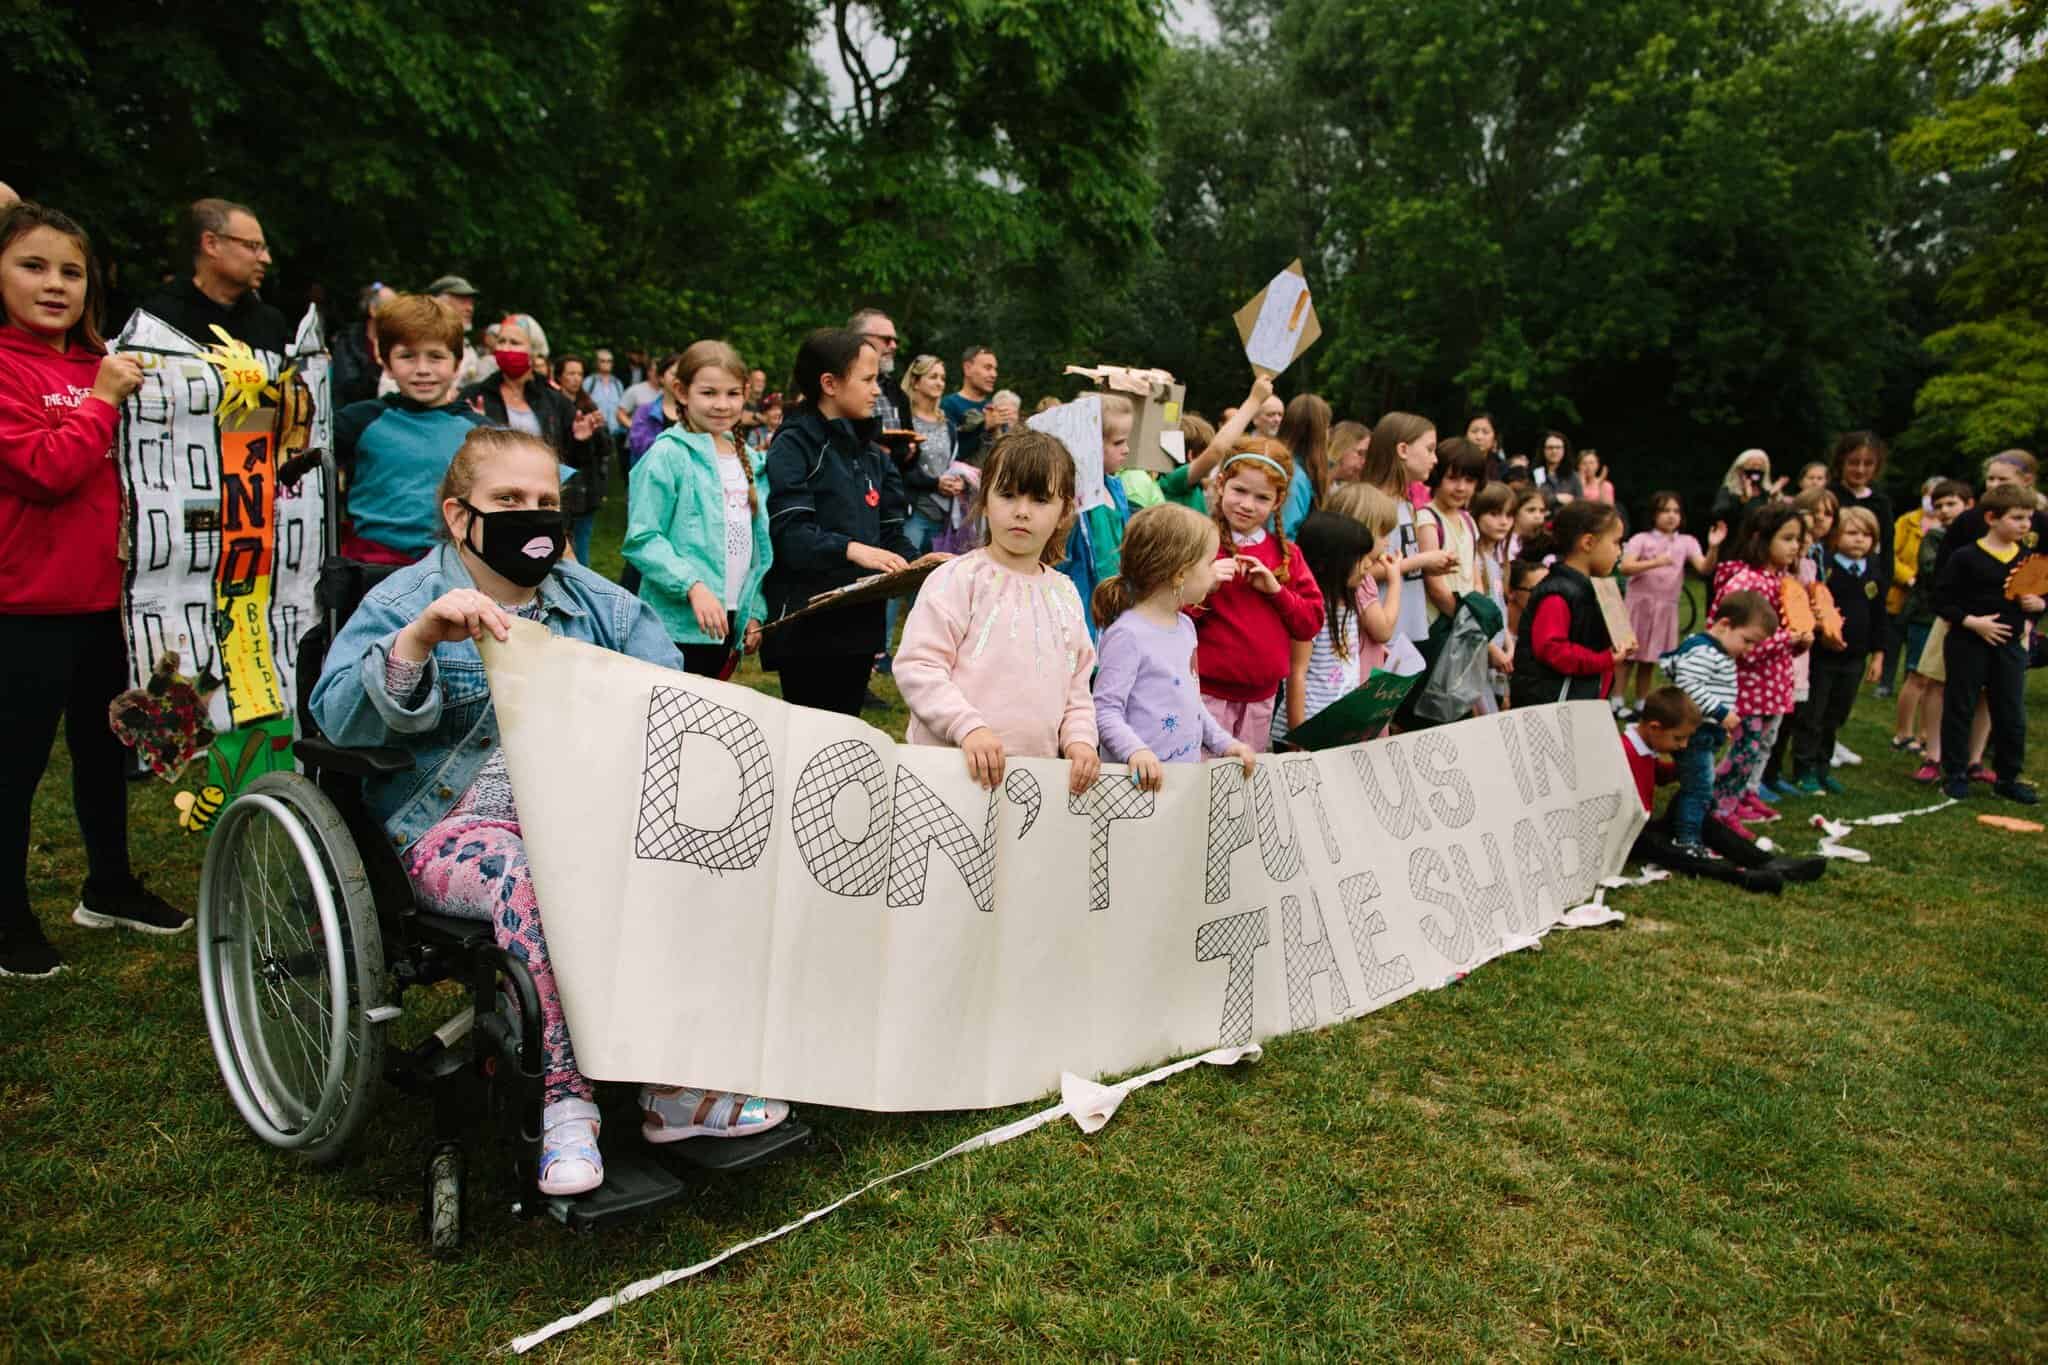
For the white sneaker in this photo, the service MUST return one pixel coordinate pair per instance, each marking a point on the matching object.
(1844, 757)
(569, 1159)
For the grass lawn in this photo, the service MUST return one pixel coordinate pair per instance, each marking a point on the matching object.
(1802, 1127)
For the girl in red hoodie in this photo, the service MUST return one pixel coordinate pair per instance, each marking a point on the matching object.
(61, 649)
(1265, 597)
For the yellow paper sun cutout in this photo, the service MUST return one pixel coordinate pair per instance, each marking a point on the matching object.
(244, 382)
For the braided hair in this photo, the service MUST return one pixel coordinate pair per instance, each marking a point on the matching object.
(1271, 459)
(718, 355)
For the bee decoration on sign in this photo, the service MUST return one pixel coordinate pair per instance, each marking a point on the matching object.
(197, 809)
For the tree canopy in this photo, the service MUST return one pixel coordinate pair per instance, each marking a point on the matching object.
(1675, 227)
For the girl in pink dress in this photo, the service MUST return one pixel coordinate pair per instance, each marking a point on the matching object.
(1654, 563)
(1765, 555)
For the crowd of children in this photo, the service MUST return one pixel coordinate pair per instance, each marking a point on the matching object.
(1210, 610)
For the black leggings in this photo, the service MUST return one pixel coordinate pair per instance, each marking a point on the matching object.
(828, 682)
(709, 661)
(70, 667)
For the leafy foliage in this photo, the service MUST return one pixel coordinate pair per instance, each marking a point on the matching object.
(1675, 228)
(1987, 138)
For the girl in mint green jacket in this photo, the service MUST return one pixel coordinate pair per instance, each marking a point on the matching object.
(697, 527)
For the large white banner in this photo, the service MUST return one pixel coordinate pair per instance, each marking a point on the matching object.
(748, 895)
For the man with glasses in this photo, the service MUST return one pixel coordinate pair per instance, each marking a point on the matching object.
(890, 403)
(229, 258)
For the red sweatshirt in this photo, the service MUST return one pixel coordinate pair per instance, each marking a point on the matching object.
(1244, 637)
(1550, 637)
(60, 501)
(1646, 766)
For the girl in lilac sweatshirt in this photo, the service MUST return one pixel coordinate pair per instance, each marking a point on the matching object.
(995, 657)
(1148, 699)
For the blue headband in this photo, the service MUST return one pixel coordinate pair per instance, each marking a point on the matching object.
(1266, 460)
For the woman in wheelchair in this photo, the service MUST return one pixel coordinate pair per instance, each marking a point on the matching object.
(405, 672)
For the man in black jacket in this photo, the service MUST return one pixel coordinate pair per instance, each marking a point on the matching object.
(229, 258)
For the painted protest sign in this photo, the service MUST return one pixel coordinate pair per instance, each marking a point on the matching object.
(749, 895)
(222, 559)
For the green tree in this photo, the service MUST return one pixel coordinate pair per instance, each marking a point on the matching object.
(1985, 145)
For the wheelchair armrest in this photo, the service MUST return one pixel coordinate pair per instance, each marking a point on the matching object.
(363, 763)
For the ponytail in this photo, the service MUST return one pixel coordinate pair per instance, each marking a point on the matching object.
(1566, 527)
(1112, 598)
(1162, 543)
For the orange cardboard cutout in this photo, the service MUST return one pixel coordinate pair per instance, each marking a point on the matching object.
(2029, 578)
(2010, 822)
(1827, 615)
(1795, 608)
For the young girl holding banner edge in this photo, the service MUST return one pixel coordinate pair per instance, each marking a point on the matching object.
(995, 657)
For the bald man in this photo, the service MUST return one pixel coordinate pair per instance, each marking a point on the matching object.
(7, 195)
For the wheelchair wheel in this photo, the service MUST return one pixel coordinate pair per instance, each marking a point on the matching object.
(291, 967)
(441, 1208)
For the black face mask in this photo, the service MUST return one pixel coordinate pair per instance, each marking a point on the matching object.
(519, 545)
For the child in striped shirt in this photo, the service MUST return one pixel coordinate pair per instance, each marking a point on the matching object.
(1703, 667)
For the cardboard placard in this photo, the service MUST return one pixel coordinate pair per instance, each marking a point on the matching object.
(1614, 613)
(2029, 578)
(1157, 396)
(876, 587)
(1358, 715)
(1795, 608)
(1078, 425)
(1827, 617)
(1279, 323)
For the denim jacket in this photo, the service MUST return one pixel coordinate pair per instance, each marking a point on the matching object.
(449, 724)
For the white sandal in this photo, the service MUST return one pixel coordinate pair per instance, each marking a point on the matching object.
(677, 1112)
(569, 1159)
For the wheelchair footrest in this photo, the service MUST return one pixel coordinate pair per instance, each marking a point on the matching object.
(636, 1183)
(724, 1156)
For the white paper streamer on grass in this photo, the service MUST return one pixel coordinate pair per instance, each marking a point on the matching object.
(1088, 1103)
(1834, 831)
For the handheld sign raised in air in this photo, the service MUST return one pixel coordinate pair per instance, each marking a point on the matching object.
(1279, 323)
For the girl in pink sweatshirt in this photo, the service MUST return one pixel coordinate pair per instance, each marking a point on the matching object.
(62, 653)
(995, 657)
(1265, 598)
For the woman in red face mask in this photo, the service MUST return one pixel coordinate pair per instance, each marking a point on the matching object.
(518, 398)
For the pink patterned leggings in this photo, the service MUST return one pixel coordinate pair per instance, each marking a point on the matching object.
(473, 868)
(1747, 752)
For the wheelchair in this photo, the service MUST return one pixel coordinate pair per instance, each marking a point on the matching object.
(309, 939)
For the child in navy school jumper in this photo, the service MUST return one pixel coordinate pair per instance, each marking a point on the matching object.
(1837, 672)
(1986, 648)
(1703, 667)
